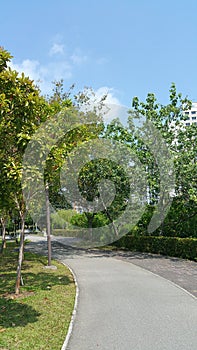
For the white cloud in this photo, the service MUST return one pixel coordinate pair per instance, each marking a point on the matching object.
(59, 66)
(104, 90)
(112, 106)
(56, 49)
(43, 75)
(29, 67)
(116, 111)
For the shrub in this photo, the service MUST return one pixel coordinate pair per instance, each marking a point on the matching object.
(171, 246)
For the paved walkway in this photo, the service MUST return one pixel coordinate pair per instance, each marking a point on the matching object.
(180, 271)
(122, 306)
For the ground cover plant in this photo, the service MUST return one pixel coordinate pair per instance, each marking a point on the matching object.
(38, 318)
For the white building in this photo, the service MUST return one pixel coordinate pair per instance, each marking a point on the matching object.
(192, 115)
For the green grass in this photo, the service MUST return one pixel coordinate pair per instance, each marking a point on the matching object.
(39, 317)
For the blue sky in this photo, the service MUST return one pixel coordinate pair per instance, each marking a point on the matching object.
(128, 48)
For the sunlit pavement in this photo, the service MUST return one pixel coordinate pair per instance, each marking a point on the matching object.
(122, 306)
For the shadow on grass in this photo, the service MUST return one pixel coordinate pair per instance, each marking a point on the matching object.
(9, 260)
(15, 314)
(43, 280)
(32, 281)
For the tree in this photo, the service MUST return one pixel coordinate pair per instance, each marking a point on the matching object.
(90, 177)
(6, 207)
(22, 110)
(181, 143)
(70, 125)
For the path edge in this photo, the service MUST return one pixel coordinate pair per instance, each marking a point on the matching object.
(164, 278)
(70, 328)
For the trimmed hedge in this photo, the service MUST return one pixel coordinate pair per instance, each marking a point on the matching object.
(172, 246)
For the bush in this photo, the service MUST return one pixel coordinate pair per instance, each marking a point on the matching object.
(172, 246)
(89, 220)
(181, 221)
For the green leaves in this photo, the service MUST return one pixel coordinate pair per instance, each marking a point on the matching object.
(5, 57)
(180, 141)
(21, 111)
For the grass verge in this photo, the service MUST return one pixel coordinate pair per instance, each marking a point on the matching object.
(39, 317)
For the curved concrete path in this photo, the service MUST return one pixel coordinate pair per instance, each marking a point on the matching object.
(124, 307)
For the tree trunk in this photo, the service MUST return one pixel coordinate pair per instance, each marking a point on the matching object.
(3, 235)
(90, 217)
(113, 225)
(48, 224)
(109, 217)
(21, 255)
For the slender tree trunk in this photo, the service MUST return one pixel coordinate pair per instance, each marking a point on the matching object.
(109, 217)
(21, 255)
(113, 225)
(90, 217)
(3, 235)
(48, 224)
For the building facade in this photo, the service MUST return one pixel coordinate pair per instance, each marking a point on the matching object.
(191, 115)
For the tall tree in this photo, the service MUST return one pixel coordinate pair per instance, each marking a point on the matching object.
(72, 123)
(22, 110)
(181, 143)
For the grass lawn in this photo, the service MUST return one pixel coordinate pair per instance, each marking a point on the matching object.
(39, 317)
